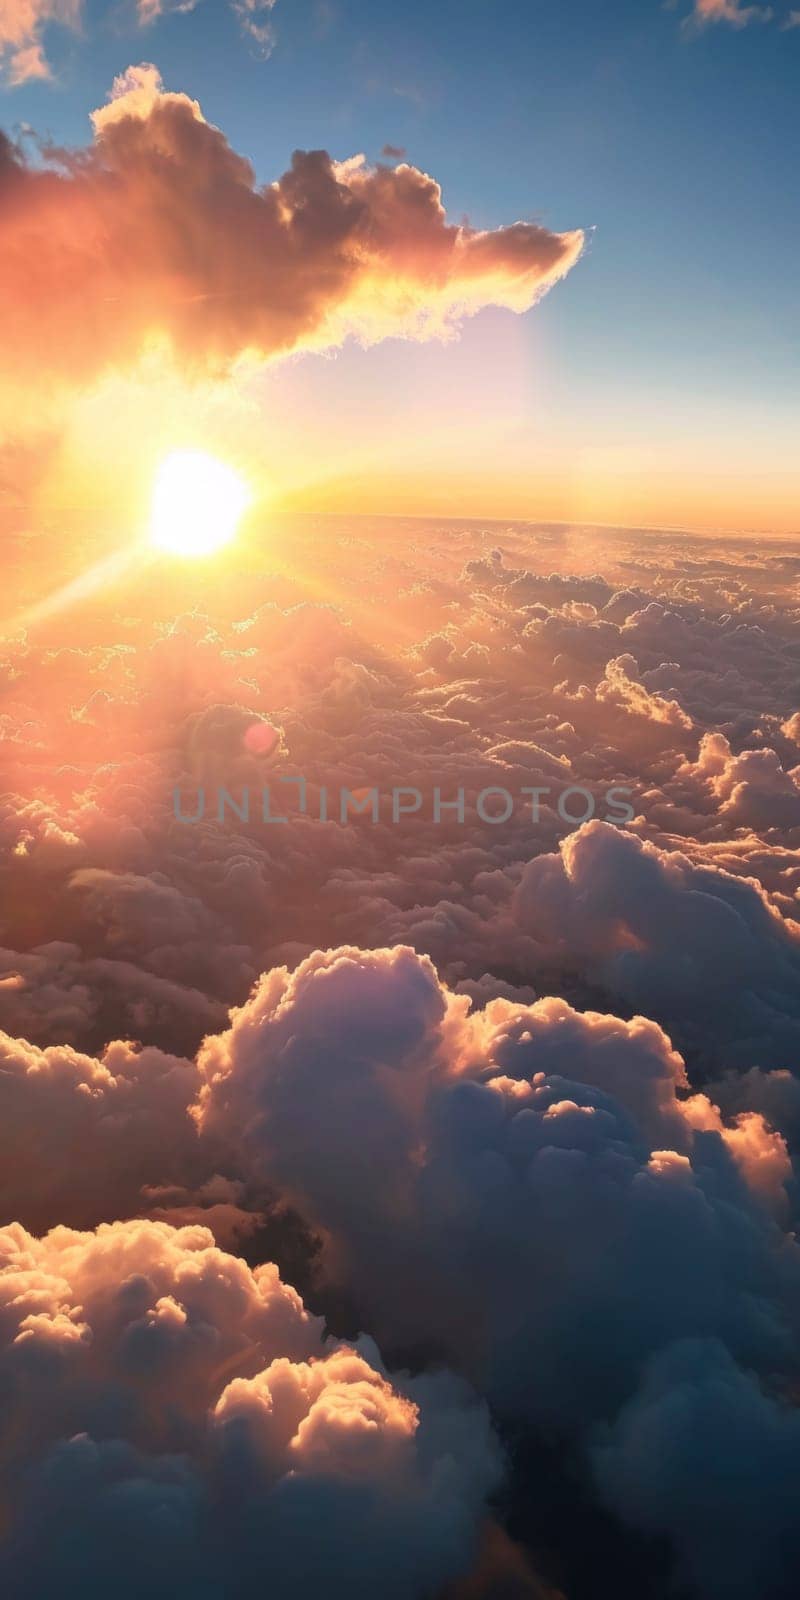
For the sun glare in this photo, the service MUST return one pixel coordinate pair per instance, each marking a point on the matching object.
(198, 503)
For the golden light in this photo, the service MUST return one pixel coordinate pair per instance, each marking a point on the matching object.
(198, 503)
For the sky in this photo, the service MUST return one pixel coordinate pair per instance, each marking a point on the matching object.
(655, 384)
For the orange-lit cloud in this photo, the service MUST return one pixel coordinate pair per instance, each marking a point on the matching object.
(159, 230)
(22, 23)
(171, 1370)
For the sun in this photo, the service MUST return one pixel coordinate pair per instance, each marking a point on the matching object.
(198, 503)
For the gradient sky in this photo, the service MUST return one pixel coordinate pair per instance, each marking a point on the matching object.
(659, 382)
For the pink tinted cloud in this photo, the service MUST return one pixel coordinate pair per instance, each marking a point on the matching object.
(160, 228)
(730, 11)
(22, 26)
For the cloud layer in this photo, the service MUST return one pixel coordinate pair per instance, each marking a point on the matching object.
(519, 1101)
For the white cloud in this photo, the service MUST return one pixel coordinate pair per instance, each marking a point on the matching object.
(255, 20)
(150, 10)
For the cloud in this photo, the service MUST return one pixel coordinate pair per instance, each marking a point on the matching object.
(137, 94)
(447, 1158)
(159, 230)
(531, 1194)
(702, 1433)
(753, 788)
(620, 688)
(700, 949)
(121, 921)
(22, 25)
(55, 990)
(150, 11)
(255, 20)
(82, 1138)
(554, 1190)
(731, 11)
(180, 1422)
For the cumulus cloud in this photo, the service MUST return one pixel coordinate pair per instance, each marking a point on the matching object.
(753, 787)
(465, 1170)
(179, 1422)
(81, 1138)
(534, 1193)
(159, 229)
(619, 687)
(678, 940)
